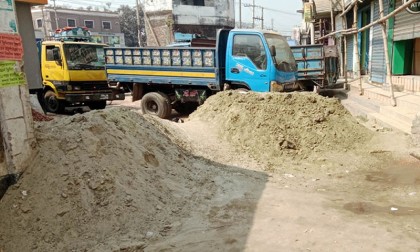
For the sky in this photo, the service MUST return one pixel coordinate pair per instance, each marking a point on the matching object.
(281, 13)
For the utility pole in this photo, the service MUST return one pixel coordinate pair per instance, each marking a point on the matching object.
(388, 66)
(262, 18)
(55, 14)
(253, 14)
(240, 14)
(138, 22)
(43, 22)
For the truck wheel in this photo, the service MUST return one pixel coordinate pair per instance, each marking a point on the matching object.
(53, 104)
(185, 108)
(156, 103)
(97, 105)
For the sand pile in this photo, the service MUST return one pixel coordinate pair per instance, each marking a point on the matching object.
(275, 126)
(102, 181)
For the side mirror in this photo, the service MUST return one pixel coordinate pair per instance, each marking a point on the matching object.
(273, 51)
(303, 52)
(57, 56)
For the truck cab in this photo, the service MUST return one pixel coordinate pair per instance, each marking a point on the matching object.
(73, 72)
(260, 61)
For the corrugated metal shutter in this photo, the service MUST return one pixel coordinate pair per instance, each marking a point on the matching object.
(378, 66)
(339, 24)
(350, 52)
(407, 25)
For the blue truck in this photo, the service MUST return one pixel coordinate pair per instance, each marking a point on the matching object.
(318, 66)
(180, 78)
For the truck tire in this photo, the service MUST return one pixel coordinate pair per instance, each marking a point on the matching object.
(53, 104)
(156, 103)
(97, 105)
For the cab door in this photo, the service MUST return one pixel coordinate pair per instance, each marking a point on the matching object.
(248, 62)
(52, 68)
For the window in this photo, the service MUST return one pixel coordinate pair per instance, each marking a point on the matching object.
(106, 25)
(71, 22)
(89, 24)
(39, 23)
(53, 53)
(250, 46)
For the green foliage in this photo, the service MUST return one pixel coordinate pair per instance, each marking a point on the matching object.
(128, 24)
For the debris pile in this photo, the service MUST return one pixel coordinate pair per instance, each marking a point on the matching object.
(102, 181)
(274, 126)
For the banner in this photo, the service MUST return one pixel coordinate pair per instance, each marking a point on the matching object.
(11, 74)
(308, 12)
(10, 47)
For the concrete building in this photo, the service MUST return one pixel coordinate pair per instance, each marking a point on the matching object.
(204, 17)
(104, 26)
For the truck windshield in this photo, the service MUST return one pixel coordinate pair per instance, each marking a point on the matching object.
(84, 57)
(284, 57)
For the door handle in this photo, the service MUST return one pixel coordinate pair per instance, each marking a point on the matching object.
(263, 75)
(234, 70)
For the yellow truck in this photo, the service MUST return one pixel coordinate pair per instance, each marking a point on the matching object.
(73, 72)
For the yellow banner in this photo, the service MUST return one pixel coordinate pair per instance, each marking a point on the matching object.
(10, 74)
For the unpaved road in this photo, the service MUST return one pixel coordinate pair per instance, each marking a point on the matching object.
(147, 184)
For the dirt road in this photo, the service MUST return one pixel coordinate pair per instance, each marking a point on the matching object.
(243, 173)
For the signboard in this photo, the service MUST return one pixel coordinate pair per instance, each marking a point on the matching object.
(11, 74)
(414, 7)
(308, 12)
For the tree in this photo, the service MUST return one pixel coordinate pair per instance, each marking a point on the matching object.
(128, 24)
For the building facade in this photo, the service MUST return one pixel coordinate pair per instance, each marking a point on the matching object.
(103, 26)
(365, 50)
(165, 17)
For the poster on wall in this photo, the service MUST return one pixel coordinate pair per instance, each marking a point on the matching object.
(10, 46)
(11, 50)
(7, 17)
(11, 74)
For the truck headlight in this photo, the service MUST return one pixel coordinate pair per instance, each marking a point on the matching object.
(276, 87)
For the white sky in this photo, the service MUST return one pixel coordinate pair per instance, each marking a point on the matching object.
(284, 18)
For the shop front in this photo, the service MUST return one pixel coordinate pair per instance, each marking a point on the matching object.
(406, 46)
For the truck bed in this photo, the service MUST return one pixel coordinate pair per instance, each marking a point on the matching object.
(317, 64)
(168, 65)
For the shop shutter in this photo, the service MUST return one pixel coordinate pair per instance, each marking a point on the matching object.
(349, 52)
(378, 66)
(407, 25)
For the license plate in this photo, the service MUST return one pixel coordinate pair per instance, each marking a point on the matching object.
(190, 93)
(103, 97)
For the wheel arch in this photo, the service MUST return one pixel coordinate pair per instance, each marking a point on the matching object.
(49, 86)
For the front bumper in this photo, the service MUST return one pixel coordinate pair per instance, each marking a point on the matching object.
(114, 94)
(283, 87)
